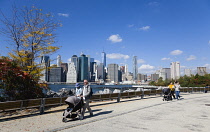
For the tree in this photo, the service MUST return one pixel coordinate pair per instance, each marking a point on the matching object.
(16, 84)
(32, 35)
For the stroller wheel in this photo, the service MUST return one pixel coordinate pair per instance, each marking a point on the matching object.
(80, 116)
(64, 120)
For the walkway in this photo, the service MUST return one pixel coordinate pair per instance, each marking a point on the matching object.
(150, 114)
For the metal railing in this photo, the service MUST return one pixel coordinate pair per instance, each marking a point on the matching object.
(41, 103)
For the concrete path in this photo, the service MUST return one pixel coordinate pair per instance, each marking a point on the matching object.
(150, 114)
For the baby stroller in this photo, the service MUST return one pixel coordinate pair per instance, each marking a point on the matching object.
(167, 94)
(74, 108)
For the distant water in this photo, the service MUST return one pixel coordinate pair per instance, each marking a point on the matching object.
(57, 87)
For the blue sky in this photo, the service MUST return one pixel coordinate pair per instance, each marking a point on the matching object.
(156, 31)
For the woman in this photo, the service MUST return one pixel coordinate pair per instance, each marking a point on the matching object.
(177, 89)
(171, 86)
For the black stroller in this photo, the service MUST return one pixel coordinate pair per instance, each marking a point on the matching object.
(167, 94)
(74, 109)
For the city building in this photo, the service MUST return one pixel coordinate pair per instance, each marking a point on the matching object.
(64, 72)
(154, 77)
(83, 68)
(141, 77)
(187, 72)
(113, 73)
(71, 74)
(100, 71)
(103, 57)
(93, 68)
(135, 68)
(175, 70)
(58, 61)
(201, 71)
(126, 70)
(45, 64)
(55, 74)
(74, 59)
(165, 73)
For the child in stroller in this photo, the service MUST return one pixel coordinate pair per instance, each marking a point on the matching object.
(74, 108)
(167, 94)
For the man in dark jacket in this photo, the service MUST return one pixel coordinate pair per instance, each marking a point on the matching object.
(86, 97)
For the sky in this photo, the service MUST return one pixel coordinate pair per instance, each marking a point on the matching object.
(156, 31)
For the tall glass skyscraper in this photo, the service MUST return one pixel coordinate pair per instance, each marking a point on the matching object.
(83, 68)
(135, 68)
(103, 56)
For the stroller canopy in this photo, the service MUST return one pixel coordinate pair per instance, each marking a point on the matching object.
(73, 100)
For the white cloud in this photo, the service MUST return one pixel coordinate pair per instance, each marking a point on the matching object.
(146, 69)
(63, 14)
(153, 4)
(69, 60)
(140, 61)
(145, 28)
(191, 57)
(115, 38)
(131, 25)
(117, 56)
(165, 59)
(97, 61)
(176, 52)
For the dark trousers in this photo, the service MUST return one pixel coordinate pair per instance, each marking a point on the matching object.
(172, 93)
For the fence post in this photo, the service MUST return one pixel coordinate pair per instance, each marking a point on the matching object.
(142, 96)
(21, 106)
(118, 98)
(42, 106)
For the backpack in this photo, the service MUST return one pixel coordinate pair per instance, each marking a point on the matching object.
(91, 92)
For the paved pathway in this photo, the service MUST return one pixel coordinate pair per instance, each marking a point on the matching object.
(150, 114)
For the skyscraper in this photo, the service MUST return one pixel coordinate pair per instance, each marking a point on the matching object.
(74, 59)
(58, 61)
(103, 56)
(187, 72)
(55, 74)
(83, 68)
(100, 71)
(113, 73)
(64, 72)
(175, 70)
(201, 71)
(45, 63)
(72, 74)
(135, 68)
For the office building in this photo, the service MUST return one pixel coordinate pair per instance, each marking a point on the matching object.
(135, 68)
(58, 61)
(55, 74)
(175, 70)
(45, 64)
(64, 72)
(187, 72)
(83, 68)
(100, 71)
(103, 56)
(154, 77)
(165, 73)
(201, 71)
(71, 74)
(113, 73)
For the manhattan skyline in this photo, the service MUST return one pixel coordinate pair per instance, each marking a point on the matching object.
(157, 32)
